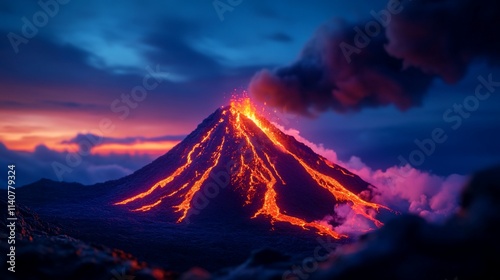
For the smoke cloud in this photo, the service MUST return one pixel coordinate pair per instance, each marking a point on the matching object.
(430, 196)
(390, 59)
(401, 188)
(444, 37)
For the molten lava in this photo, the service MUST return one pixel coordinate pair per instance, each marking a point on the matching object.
(256, 173)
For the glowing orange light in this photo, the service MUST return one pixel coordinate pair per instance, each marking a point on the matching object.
(270, 206)
(257, 171)
(186, 203)
(169, 179)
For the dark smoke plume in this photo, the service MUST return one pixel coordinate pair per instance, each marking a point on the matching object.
(390, 59)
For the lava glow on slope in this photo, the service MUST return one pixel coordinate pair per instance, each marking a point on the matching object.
(255, 173)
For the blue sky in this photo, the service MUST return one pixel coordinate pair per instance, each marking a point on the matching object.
(62, 82)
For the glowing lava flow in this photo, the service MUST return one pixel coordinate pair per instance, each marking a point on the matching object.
(258, 170)
(170, 178)
(256, 173)
(270, 206)
(186, 203)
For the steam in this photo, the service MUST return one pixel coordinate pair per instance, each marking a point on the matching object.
(401, 188)
(430, 196)
(352, 224)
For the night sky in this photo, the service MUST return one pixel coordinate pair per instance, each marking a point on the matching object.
(68, 80)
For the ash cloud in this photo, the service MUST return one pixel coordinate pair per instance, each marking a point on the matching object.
(444, 37)
(391, 58)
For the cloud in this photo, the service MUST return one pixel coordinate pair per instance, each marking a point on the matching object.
(350, 222)
(86, 141)
(401, 188)
(72, 105)
(444, 37)
(323, 79)
(280, 37)
(346, 67)
(177, 52)
(407, 189)
(102, 173)
(32, 166)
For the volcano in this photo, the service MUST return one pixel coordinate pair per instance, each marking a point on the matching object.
(236, 181)
(238, 164)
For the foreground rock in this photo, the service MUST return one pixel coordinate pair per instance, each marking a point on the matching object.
(42, 252)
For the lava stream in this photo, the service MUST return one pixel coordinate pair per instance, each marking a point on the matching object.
(166, 181)
(256, 174)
